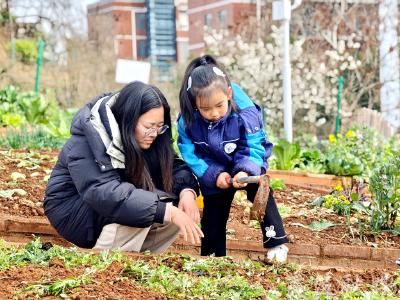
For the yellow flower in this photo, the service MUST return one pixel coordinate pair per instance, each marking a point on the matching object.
(338, 188)
(350, 133)
(332, 138)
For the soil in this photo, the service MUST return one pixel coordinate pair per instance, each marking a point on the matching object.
(295, 202)
(106, 284)
(298, 214)
(111, 283)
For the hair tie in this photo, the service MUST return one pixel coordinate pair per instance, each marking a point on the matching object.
(203, 61)
(189, 84)
(218, 71)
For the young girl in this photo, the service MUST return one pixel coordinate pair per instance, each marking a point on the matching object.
(221, 138)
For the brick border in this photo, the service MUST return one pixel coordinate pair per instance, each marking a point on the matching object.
(311, 180)
(327, 256)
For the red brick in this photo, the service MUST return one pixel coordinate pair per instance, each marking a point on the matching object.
(366, 264)
(2, 225)
(31, 225)
(304, 249)
(244, 245)
(256, 256)
(346, 251)
(304, 260)
(385, 254)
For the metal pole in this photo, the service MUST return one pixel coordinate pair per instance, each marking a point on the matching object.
(339, 100)
(287, 88)
(39, 64)
(281, 11)
(258, 11)
(12, 36)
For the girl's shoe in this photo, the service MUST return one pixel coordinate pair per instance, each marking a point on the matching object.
(277, 254)
(398, 261)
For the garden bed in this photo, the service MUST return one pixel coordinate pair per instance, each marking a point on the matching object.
(321, 182)
(21, 212)
(39, 271)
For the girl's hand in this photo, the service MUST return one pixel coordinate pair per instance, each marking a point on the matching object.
(187, 202)
(189, 229)
(223, 180)
(237, 184)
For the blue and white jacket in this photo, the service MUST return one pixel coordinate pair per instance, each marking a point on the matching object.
(235, 143)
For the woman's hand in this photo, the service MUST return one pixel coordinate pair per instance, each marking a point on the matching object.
(236, 183)
(187, 202)
(189, 229)
(223, 181)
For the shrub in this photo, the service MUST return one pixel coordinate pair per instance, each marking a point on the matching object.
(385, 187)
(25, 49)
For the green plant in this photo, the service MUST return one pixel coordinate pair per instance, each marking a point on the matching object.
(59, 125)
(344, 200)
(357, 151)
(286, 155)
(26, 50)
(34, 108)
(18, 107)
(12, 119)
(385, 187)
(277, 184)
(35, 138)
(341, 158)
(58, 287)
(175, 139)
(312, 161)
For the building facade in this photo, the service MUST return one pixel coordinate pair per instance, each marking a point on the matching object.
(220, 14)
(153, 30)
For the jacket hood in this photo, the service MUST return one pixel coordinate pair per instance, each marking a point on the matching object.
(97, 123)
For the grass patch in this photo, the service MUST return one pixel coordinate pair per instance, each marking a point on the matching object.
(35, 138)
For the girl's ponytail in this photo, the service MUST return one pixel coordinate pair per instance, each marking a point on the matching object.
(208, 73)
(186, 102)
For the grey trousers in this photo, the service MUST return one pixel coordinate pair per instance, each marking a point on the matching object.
(156, 238)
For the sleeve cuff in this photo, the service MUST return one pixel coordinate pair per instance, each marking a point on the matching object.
(210, 176)
(189, 190)
(160, 212)
(247, 166)
(167, 215)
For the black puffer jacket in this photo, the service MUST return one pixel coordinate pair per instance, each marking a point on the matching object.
(85, 191)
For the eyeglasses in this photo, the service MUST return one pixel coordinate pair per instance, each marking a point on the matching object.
(160, 130)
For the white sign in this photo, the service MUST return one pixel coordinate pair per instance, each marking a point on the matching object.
(132, 70)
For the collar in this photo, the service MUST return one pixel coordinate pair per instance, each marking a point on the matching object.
(107, 127)
(209, 123)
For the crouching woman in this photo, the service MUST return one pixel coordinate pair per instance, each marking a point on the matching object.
(117, 183)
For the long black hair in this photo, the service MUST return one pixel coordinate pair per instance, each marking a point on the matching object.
(203, 81)
(134, 100)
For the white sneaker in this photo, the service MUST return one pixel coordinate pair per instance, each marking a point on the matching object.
(277, 254)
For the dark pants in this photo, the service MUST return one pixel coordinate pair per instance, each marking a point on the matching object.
(216, 213)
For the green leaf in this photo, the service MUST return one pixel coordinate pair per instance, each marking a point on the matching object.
(320, 225)
(354, 196)
(287, 155)
(16, 175)
(9, 193)
(318, 201)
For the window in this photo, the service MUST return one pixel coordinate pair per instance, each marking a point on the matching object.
(222, 18)
(208, 19)
(140, 21)
(142, 48)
